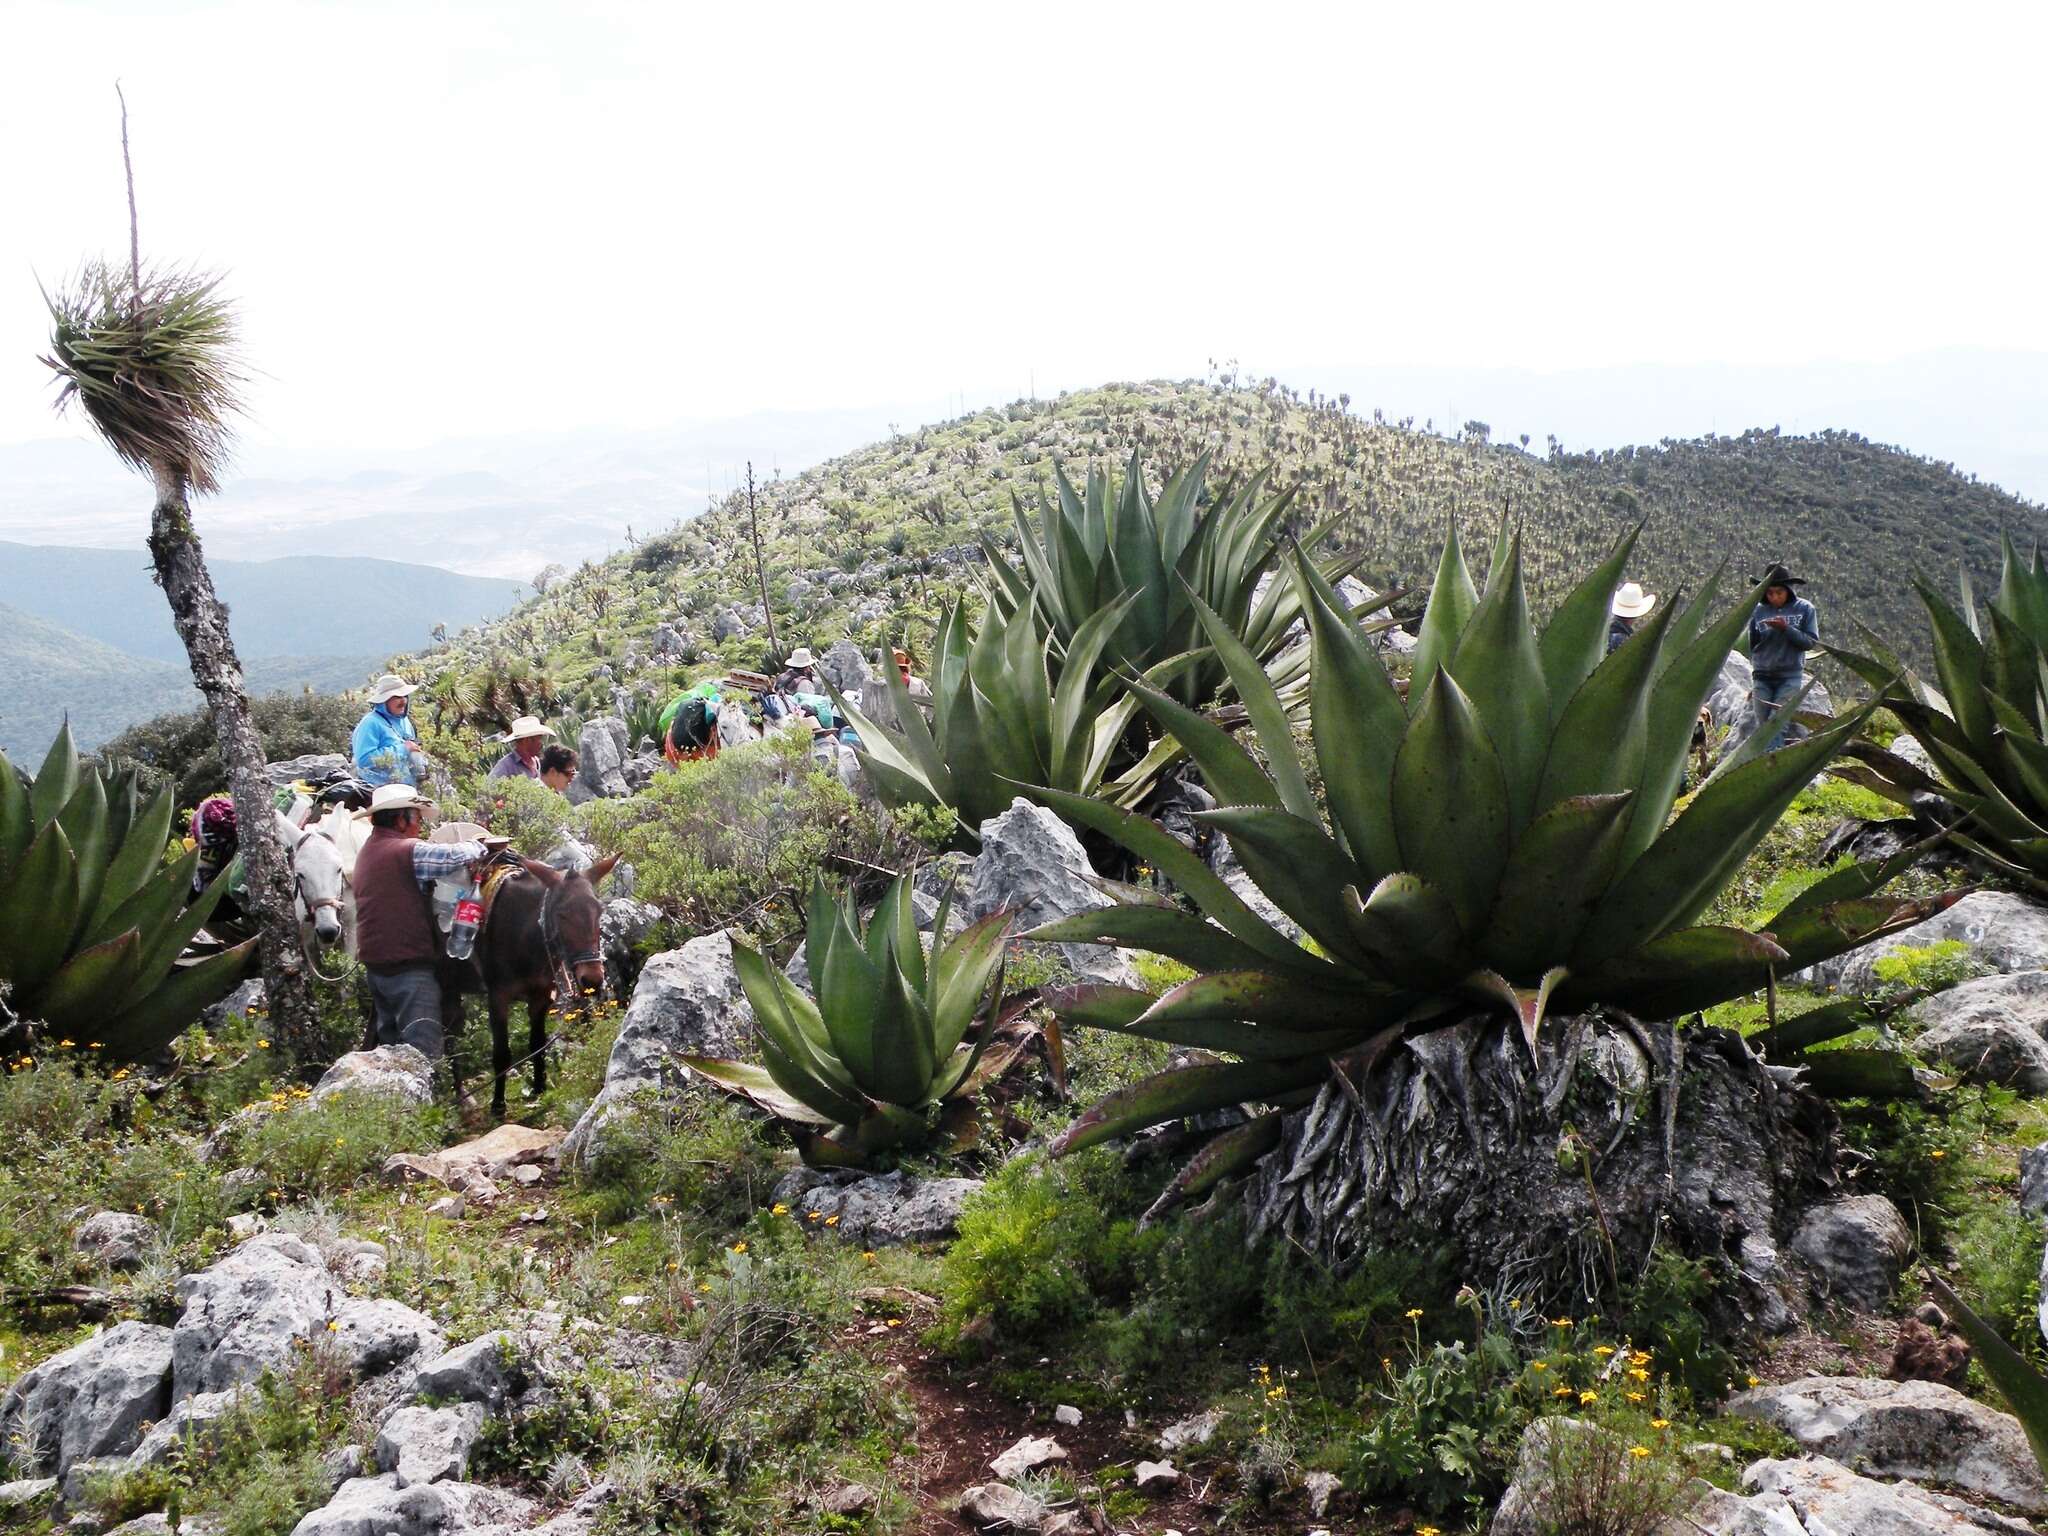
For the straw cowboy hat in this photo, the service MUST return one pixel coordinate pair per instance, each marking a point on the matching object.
(395, 797)
(802, 657)
(391, 686)
(1632, 602)
(525, 728)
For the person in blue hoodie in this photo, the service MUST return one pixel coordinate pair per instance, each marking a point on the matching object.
(1781, 631)
(386, 747)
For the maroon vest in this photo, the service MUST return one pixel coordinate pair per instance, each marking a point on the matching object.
(394, 920)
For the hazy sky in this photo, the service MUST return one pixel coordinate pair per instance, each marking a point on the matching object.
(500, 217)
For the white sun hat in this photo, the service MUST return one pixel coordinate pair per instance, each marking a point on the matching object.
(802, 657)
(395, 797)
(391, 686)
(1632, 602)
(525, 728)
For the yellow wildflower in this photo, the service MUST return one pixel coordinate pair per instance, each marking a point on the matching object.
(1638, 1397)
(65, 1045)
(1542, 1365)
(1561, 1392)
(895, 1322)
(262, 1045)
(1560, 1322)
(1639, 1451)
(1660, 1423)
(1413, 1313)
(334, 1327)
(703, 1285)
(1753, 1381)
(815, 1216)
(1639, 1374)
(831, 1221)
(869, 1255)
(1589, 1397)
(740, 1246)
(1276, 1394)
(1603, 1350)
(1640, 1357)
(673, 1266)
(779, 1210)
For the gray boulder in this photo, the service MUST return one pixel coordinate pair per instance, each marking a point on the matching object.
(1521, 1506)
(1817, 1496)
(157, 1523)
(398, 1070)
(1912, 1429)
(314, 765)
(2005, 932)
(486, 1370)
(117, 1239)
(24, 1497)
(2034, 1179)
(199, 1420)
(844, 667)
(1728, 699)
(90, 1401)
(377, 1334)
(1855, 1249)
(622, 927)
(239, 1003)
(876, 1210)
(687, 1001)
(429, 1445)
(1032, 865)
(379, 1506)
(600, 759)
(999, 1508)
(1993, 1029)
(725, 625)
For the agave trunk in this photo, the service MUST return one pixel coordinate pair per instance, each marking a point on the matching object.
(1557, 1175)
(202, 623)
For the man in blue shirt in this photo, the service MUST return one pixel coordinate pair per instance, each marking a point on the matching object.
(386, 747)
(1781, 631)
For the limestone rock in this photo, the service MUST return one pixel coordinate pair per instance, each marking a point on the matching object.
(1032, 865)
(1321, 1487)
(622, 928)
(1911, 1429)
(844, 667)
(399, 1070)
(201, 1419)
(2034, 1179)
(378, 1334)
(378, 1506)
(239, 1003)
(486, 1370)
(23, 1496)
(1855, 1248)
(600, 759)
(876, 1210)
(688, 1002)
(1196, 1429)
(117, 1239)
(429, 1445)
(1161, 1476)
(2005, 932)
(1067, 1414)
(1992, 1029)
(90, 1401)
(311, 768)
(157, 1523)
(1026, 1456)
(999, 1508)
(1815, 1494)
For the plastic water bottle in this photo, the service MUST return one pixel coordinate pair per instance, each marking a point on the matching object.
(469, 916)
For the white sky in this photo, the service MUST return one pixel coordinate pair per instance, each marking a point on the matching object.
(499, 217)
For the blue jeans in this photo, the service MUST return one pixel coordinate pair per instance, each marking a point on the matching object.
(1768, 697)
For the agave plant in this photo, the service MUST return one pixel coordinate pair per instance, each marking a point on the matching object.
(92, 920)
(2019, 1381)
(1095, 548)
(1986, 729)
(1009, 708)
(1502, 837)
(891, 1047)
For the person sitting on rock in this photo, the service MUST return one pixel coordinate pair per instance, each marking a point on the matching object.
(522, 761)
(1782, 630)
(395, 931)
(799, 674)
(1631, 605)
(386, 746)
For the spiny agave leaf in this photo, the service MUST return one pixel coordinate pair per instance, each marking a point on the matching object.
(1296, 864)
(1451, 600)
(1450, 801)
(2013, 663)
(1680, 972)
(1269, 719)
(1227, 769)
(167, 1008)
(1697, 854)
(1225, 1157)
(754, 1083)
(1262, 997)
(1814, 934)
(1408, 930)
(1359, 722)
(17, 825)
(1525, 1005)
(1601, 737)
(788, 1040)
(1959, 661)
(1560, 868)
(2022, 592)
(903, 1060)
(155, 905)
(1856, 881)
(1859, 1074)
(1785, 1040)
(1763, 742)
(140, 855)
(56, 781)
(1182, 1091)
(84, 821)
(961, 969)
(1575, 639)
(75, 997)
(1497, 665)
(1071, 722)
(2019, 1382)
(1167, 931)
(38, 909)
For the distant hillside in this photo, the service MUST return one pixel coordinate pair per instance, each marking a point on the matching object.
(49, 673)
(302, 605)
(871, 543)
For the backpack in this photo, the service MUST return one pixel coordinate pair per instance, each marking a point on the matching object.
(692, 727)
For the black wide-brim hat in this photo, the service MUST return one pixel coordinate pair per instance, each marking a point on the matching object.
(1778, 576)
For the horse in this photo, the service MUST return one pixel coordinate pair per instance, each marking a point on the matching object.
(320, 896)
(540, 937)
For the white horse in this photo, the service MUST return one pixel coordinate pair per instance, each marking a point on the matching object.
(320, 890)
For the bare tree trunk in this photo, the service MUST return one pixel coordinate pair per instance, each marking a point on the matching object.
(203, 625)
(760, 561)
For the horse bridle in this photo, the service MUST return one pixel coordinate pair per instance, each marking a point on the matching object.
(564, 964)
(313, 905)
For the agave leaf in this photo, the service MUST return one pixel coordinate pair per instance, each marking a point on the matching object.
(1289, 1006)
(1296, 864)
(1359, 723)
(1599, 745)
(1098, 1005)
(1814, 934)
(1785, 1040)
(1269, 719)
(56, 781)
(1450, 801)
(2019, 1381)
(1408, 930)
(1071, 721)
(1165, 931)
(1575, 639)
(1682, 971)
(1226, 1156)
(1560, 868)
(1451, 600)
(1959, 662)
(788, 1029)
(1182, 1091)
(962, 968)
(17, 823)
(157, 903)
(76, 995)
(166, 1009)
(1227, 769)
(1855, 881)
(1499, 668)
(163, 946)
(1859, 1074)
(755, 1083)
(139, 856)
(38, 909)
(84, 821)
(1525, 1005)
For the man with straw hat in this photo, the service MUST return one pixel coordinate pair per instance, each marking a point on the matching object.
(386, 748)
(1630, 605)
(528, 736)
(395, 937)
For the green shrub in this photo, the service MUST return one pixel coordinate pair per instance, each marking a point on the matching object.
(183, 749)
(525, 810)
(1931, 967)
(702, 1158)
(310, 1151)
(1998, 1250)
